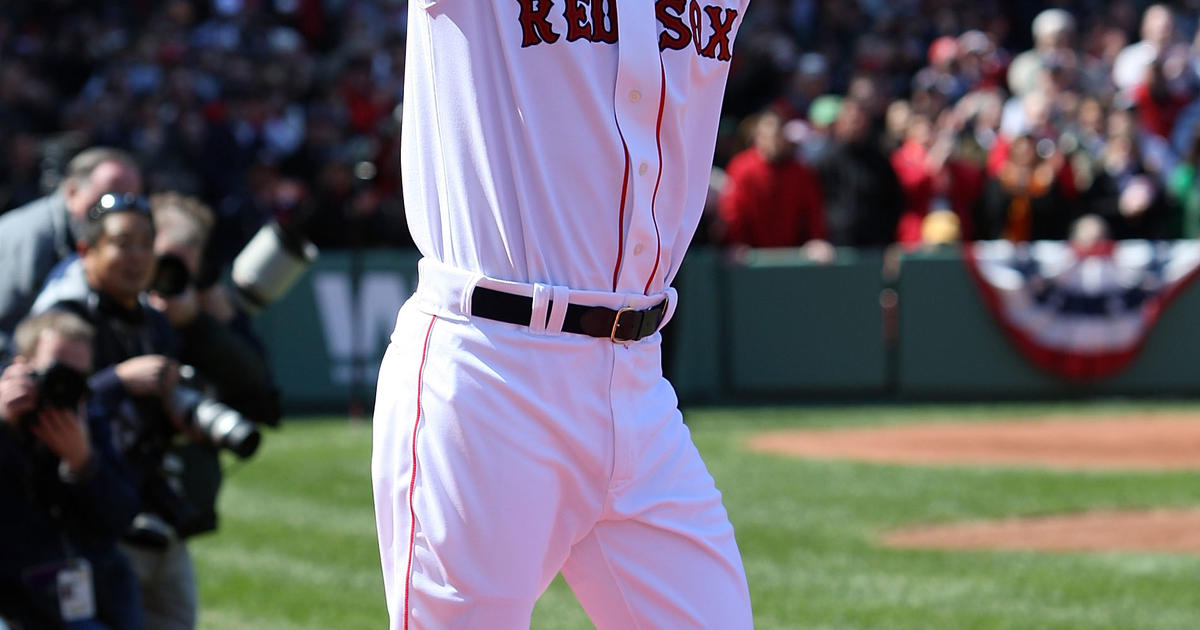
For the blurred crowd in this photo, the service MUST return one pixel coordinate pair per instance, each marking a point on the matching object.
(284, 108)
(907, 121)
(938, 121)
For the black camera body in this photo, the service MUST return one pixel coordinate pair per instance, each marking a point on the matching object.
(181, 494)
(171, 276)
(59, 386)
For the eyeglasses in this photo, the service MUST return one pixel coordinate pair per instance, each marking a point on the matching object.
(111, 202)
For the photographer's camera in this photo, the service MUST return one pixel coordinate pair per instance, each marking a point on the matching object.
(58, 386)
(219, 423)
(171, 276)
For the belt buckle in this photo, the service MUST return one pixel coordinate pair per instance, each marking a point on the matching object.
(617, 324)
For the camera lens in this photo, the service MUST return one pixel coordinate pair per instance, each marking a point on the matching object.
(221, 424)
(171, 276)
(61, 386)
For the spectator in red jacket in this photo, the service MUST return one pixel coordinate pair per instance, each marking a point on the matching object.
(921, 175)
(770, 198)
(940, 166)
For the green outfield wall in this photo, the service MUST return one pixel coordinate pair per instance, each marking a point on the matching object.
(774, 325)
(950, 347)
(327, 335)
(768, 326)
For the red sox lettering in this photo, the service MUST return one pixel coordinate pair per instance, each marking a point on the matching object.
(685, 22)
(720, 20)
(597, 29)
(536, 24)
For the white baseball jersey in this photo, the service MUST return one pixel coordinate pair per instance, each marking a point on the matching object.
(556, 150)
(563, 141)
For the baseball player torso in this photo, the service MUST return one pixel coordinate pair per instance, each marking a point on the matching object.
(565, 142)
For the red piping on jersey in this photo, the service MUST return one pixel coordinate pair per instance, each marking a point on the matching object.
(621, 215)
(412, 483)
(662, 104)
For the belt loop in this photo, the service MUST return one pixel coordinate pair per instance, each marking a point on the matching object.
(541, 302)
(558, 308)
(468, 292)
(672, 298)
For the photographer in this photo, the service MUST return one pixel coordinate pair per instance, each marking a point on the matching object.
(211, 332)
(65, 494)
(34, 237)
(136, 347)
(211, 329)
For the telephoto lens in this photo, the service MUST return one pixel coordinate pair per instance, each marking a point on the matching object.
(221, 424)
(270, 264)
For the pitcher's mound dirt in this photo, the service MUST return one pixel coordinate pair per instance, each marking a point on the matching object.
(1145, 442)
(1148, 442)
(1157, 530)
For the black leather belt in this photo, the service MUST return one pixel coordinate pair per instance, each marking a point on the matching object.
(620, 326)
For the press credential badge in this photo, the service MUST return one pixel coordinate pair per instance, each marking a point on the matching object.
(76, 599)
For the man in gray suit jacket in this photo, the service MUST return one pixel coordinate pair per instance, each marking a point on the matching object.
(34, 237)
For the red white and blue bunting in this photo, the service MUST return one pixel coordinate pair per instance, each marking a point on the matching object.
(1082, 314)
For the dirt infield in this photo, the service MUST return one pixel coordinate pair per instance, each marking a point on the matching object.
(1143, 442)
(1157, 530)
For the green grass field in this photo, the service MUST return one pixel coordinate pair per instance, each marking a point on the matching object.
(296, 548)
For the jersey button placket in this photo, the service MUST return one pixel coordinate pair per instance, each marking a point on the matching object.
(637, 112)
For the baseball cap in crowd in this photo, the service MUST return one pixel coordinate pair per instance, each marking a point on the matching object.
(940, 227)
(1052, 23)
(812, 64)
(796, 131)
(824, 110)
(975, 42)
(943, 50)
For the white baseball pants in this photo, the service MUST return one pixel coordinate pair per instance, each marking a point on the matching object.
(503, 455)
